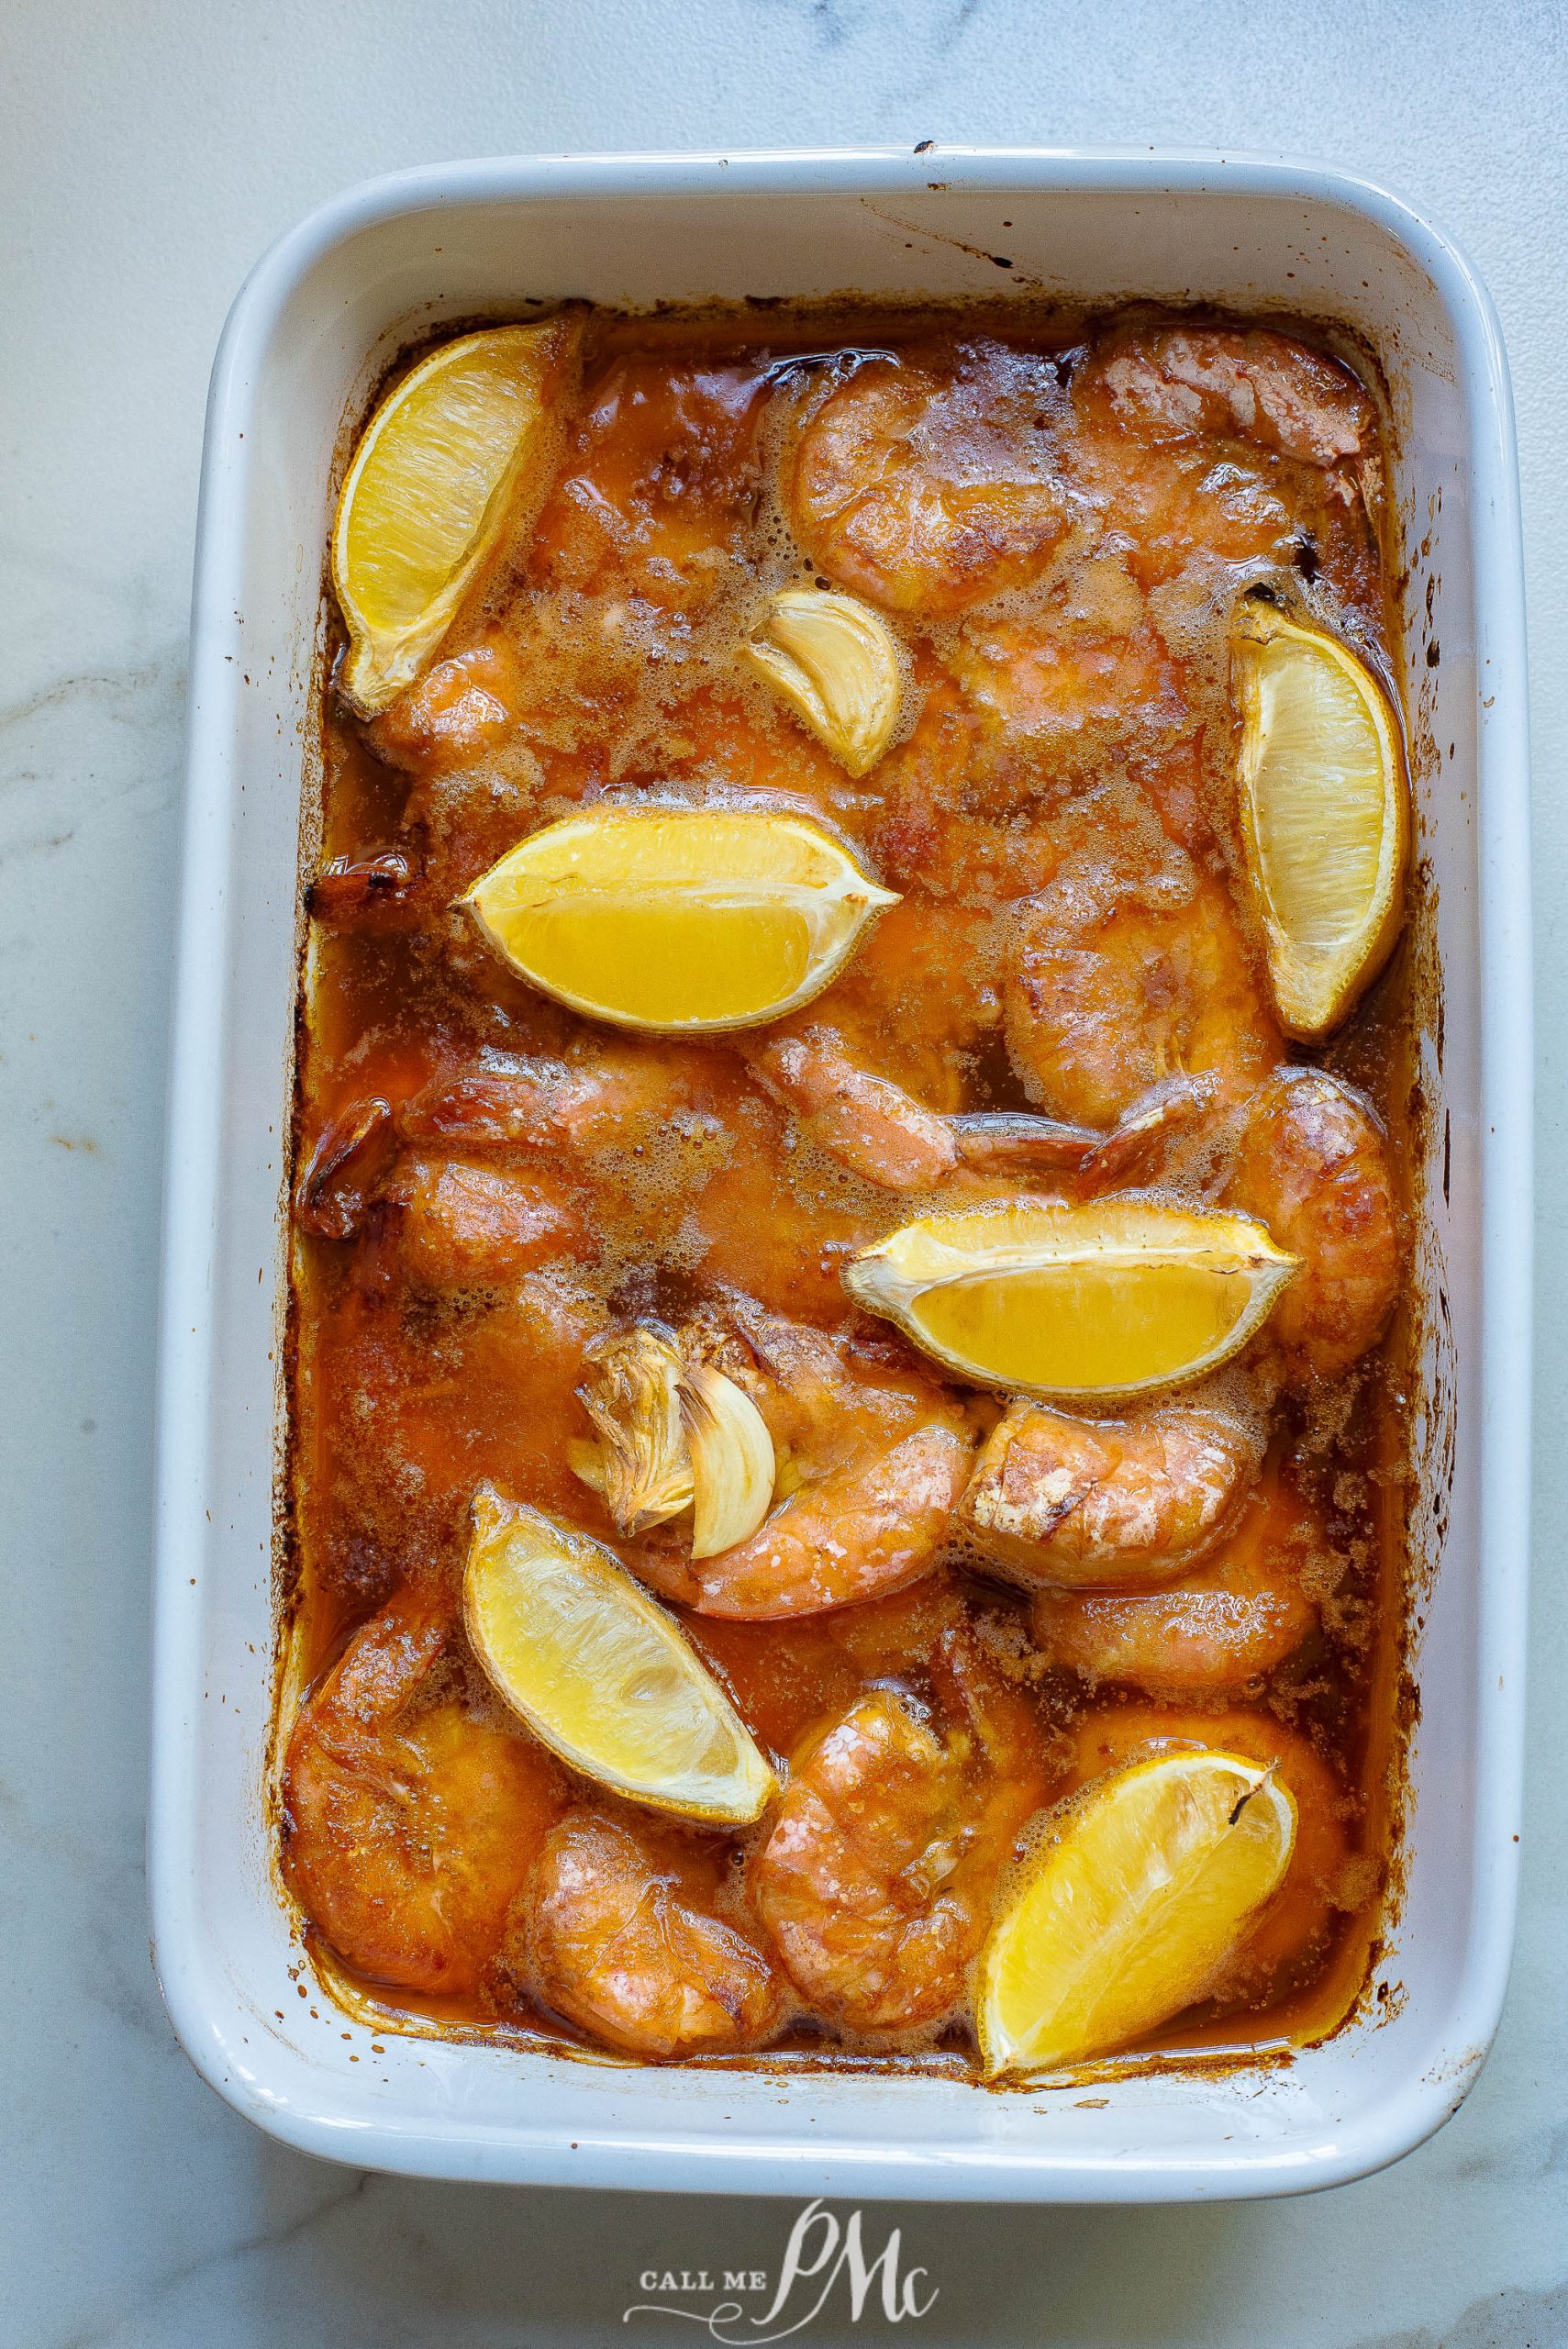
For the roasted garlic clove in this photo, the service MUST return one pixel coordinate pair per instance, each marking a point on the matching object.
(672, 1438)
(835, 662)
(641, 1468)
(731, 1460)
(586, 1461)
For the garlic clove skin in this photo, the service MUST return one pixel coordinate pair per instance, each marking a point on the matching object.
(732, 1464)
(835, 662)
(642, 1469)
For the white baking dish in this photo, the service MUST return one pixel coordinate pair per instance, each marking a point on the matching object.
(307, 336)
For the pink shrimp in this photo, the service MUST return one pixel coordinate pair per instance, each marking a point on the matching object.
(1125, 978)
(624, 1930)
(929, 490)
(1220, 1628)
(1057, 1500)
(1314, 1164)
(410, 1825)
(872, 1465)
(876, 1877)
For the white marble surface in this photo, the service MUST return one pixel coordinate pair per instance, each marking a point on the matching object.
(149, 150)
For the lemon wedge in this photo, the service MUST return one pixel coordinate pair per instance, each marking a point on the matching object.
(439, 473)
(1325, 819)
(599, 1673)
(1124, 1915)
(1110, 1299)
(678, 920)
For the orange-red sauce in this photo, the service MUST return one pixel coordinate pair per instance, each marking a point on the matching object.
(1067, 707)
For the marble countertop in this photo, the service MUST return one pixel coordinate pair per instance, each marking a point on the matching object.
(149, 152)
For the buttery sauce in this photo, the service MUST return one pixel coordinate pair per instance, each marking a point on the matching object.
(1056, 516)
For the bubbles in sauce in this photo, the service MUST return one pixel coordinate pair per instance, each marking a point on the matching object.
(1068, 722)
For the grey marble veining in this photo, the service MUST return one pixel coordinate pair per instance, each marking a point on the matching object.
(147, 155)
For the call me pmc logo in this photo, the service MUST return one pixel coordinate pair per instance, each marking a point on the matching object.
(821, 2259)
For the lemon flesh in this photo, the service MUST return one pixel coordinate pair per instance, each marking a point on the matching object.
(600, 1674)
(1324, 814)
(1126, 1912)
(1111, 1298)
(677, 919)
(434, 482)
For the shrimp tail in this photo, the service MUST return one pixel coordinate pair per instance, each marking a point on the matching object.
(1137, 1144)
(1005, 1141)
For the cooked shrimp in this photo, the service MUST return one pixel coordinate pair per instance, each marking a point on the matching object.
(882, 1134)
(1298, 482)
(622, 1098)
(458, 710)
(1183, 382)
(471, 1204)
(409, 1828)
(1085, 687)
(621, 1934)
(1314, 1164)
(1125, 978)
(1059, 1500)
(1225, 1624)
(1291, 1929)
(507, 1156)
(687, 1126)
(876, 1461)
(954, 835)
(928, 491)
(466, 1227)
(868, 1529)
(879, 1130)
(876, 1877)
(659, 480)
(1068, 696)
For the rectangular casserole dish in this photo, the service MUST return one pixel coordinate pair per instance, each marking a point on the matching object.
(309, 335)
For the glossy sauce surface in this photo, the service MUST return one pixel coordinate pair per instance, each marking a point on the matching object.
(1056, 518)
